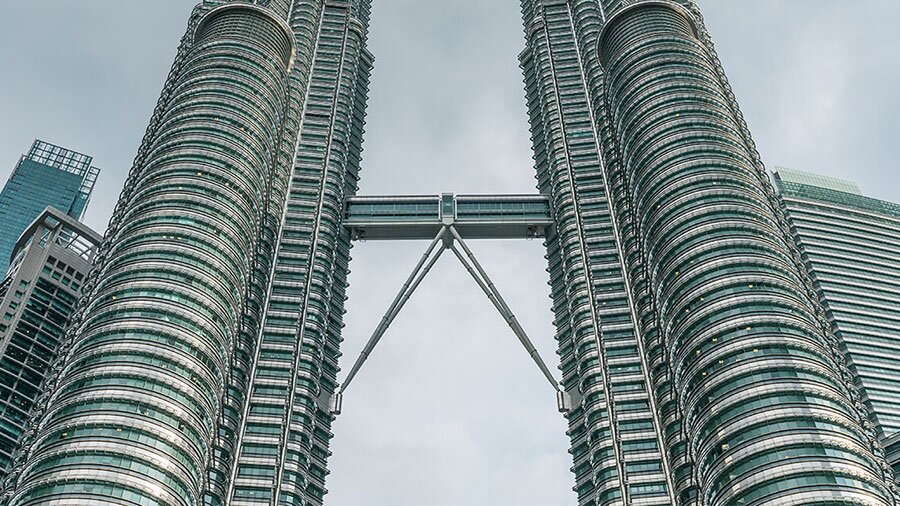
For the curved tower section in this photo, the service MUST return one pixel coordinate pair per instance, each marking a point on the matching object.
(200, 366)
(135, 411)
(767, 409)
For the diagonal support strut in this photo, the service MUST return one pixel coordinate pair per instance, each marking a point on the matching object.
(415, 278)
(484, 281)
(406, 291)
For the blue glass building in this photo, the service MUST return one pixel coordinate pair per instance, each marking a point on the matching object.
(48, 175)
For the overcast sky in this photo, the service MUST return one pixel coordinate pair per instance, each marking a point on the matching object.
(449, 410)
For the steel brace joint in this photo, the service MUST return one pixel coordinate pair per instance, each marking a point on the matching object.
(448, 238)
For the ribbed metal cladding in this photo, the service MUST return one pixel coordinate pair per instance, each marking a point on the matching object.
(851, 246)
(285, 436)
(617, 443)
(304, 18)
(134, 415)
(668, 410)
(768, 417)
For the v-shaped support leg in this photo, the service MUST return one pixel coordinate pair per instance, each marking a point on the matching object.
(429, 258)
(481, 277)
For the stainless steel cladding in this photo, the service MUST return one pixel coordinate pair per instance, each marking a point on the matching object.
(698, 365)
(767, 410)
(134, 413)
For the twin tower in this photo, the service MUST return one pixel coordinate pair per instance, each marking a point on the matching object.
(698, 367)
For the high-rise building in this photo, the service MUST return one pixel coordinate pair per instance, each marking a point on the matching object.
(851, 246)
(698, 366)
(37, 297)
(702, 366)
(47, 176)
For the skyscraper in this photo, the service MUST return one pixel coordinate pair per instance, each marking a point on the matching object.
(704, 365)
(851, 246)
(47, 176)
(226, 237)
(699, 367)
(37, 297)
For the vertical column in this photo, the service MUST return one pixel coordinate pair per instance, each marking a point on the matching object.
(766, 412)
(133, 417)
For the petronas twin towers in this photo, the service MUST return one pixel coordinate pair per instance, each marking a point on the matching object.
(698, 367)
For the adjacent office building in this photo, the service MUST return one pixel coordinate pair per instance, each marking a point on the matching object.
(51, 261)
(47, 176)
(698, 364)
(851, 246)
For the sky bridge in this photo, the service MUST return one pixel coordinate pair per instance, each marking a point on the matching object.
(423, 216)
(448, 220)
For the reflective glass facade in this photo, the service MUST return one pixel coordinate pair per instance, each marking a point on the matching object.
(37, 297)
(47, 176)
(705, 366)
(851, 246)
(698, 364)
(198, 369)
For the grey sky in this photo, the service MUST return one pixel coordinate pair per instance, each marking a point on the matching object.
(450, 410)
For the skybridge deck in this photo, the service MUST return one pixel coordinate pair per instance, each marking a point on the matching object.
(474, 216)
